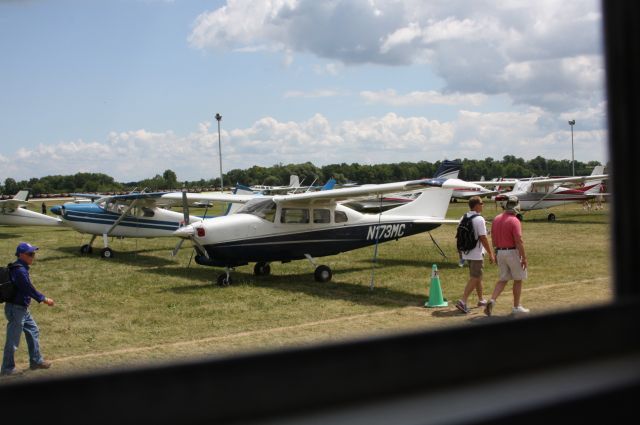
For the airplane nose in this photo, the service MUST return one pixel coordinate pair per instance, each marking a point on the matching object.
(184, 232)
(56, 209)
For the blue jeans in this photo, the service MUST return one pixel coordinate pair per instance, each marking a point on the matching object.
(20, 320)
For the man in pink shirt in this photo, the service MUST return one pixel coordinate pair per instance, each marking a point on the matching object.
(506, 235)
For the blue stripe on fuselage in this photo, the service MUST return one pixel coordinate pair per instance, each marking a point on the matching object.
(96, 215)
(317, 243)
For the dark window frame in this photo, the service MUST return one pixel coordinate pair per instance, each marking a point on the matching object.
(421, 377)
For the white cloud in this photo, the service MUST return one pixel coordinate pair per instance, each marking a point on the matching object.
(416, 98)
(543, 54)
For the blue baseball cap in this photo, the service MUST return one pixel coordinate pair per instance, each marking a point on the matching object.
(24, 247)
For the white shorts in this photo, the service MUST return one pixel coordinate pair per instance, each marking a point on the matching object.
(509, 265)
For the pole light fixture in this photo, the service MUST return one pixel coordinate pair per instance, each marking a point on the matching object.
(219, 118)
(573, 170)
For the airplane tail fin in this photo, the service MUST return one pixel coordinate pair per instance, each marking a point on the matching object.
(294, 181)
(329, 184)
(598, 169)
(22, 195)
(432, 202)
(448, 169)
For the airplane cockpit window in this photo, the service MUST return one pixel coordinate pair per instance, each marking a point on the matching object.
(147, 212)
(294, 216)
(321, 216)
(263, 208)
(340, 217)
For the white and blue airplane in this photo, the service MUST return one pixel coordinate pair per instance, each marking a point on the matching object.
(135, 215)
(14, 213)
(314, 224)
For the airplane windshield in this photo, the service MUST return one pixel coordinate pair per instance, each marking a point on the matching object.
(264, 208)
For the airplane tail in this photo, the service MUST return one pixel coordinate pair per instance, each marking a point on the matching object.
(432, 202)
(294, 181)
(22, 195)
(448, 169)
(598, 169)
(329, 184)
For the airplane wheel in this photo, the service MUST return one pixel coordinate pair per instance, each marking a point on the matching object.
(106, 253)
(223, 280)
(519, 217)
(86, 249)
(322, 274)
(262, 269)
(551, 217)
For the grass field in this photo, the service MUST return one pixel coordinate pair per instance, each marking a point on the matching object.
(145, 306)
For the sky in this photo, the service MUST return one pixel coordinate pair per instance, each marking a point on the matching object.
(131, 88)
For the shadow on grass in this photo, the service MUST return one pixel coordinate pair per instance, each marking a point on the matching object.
(6, 235)
(297, 283)
(137, 257)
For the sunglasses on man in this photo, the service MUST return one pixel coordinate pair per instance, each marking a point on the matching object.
(30, 254)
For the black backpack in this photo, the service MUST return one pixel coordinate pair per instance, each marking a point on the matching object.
(466, 238)
(8, 289)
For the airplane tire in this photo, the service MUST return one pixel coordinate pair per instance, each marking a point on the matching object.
(262, 269)
(322, 274)
(223, 280)
(106, 253)
(86, 249)
(551, 217)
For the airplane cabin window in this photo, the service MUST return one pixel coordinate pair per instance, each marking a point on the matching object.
(294, 216)
(321, 216)
(147, 212)
(263, 208)
(340, 217)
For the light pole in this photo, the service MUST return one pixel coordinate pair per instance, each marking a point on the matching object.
(219, 118)
(573, 170)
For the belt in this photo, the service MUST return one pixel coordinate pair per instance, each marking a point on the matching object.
(505, 249)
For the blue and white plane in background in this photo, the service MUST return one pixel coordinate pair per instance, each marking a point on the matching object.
(14, 213)
(135, 215)
(313, 224)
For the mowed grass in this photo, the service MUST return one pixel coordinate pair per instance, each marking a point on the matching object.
(144, 306)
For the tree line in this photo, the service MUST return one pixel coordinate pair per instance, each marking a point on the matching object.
(509, 166)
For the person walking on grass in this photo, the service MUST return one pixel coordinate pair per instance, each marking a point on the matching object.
(475, 256)
(506, 235)
(18, 316)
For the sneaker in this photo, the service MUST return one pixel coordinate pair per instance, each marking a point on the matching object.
(462, 307)
(519, 310)
(43, 365)
(488, 309)
(11, 372)
(461, 263)
(482, 303)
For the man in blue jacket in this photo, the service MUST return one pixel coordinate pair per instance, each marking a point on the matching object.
(18, 316)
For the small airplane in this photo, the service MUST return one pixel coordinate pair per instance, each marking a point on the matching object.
(14, 213)
(313, 224)
(542, 193)
(462, 193)
(135, 215)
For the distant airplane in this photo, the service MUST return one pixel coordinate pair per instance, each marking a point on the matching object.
(135, 215)
(14, 213)
(542, 193)
(314, 224)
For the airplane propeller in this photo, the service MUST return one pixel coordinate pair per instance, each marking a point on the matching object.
(187, 233)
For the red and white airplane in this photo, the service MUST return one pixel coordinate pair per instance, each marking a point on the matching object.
(542, 193)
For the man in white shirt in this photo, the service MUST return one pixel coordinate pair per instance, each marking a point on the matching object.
(475, 257)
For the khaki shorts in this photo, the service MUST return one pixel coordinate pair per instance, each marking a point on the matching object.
(509, 265)
(475, 268)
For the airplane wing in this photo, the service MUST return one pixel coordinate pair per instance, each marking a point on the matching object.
(91, 196)
(495, 183)
(365, 191)
(576, 179)
(212, 197)
(13, 203)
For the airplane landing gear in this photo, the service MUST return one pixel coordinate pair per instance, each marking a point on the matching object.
(86, 249)
(225, 278)
(106, 253)
(322, 274)
(262, 269)
(551, 217)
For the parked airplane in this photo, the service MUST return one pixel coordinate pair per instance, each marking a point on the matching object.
(135, 215)
(542, 193)
(307, 225)
(14, 213)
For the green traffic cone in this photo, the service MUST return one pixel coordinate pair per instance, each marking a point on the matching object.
(435, 291)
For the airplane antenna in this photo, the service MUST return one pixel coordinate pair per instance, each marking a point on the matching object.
(219, 118)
